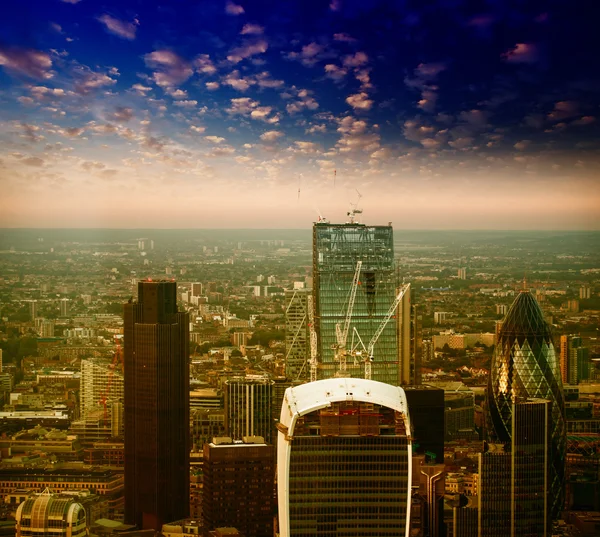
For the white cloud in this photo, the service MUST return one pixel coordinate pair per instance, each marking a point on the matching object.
(214, 139)
(355, 60)
(360, 101)
(186, 104)
(270, 136)
(252, 29)
(126, 30)
(204, 65)
(171, 70)
(28, 62)
(141, 88)
(305, 101)
(247, 50)
(91, 80)
(334, 72)
(234, 80)
(233, 9)
(212, 86)
(198, 130)
(247, 107)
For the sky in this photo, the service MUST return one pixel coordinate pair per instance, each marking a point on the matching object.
(445, 114)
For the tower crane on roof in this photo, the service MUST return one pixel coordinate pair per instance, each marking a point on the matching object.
(342, 333)
(370, 348)
(354, 210)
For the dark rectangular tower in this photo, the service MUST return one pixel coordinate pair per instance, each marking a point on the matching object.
(156, 351)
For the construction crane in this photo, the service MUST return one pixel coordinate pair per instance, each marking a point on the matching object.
(342, 333)
(117, 360)
(369, 350)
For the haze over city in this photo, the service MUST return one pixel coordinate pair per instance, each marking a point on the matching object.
(256, 114)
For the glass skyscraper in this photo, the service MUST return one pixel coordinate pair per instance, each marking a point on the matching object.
(336, 250)
(344, 460)
(525, 366)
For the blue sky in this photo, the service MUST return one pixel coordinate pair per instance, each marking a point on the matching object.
(266, 114)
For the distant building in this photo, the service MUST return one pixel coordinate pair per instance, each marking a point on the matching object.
(462, 273)
(64, 307)
(344, 460)
(439, 317)
(574, 360)
(585, 292)
(196, 289)
(501, 309)
(238, 486)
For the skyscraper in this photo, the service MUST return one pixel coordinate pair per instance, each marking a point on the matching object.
(344, 460)
(156, 351)
(524, 366)
(513, 477)
(336, 250)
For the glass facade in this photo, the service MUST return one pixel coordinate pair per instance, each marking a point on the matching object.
(336, 250)
(349, 472)
(297, 338)
(525, 366)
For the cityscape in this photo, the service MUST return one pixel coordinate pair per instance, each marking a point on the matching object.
(327, 268)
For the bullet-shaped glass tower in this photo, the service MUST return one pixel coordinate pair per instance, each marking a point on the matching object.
(525, 366)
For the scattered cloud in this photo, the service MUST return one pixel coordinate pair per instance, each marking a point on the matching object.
(204, 65)
(334, 72)
(28, 62)
(171, 70)
(264, 80)
(563, 110)
(238, 83)
(355, 136)
(186, 103)
(197, 130)
(522, 145)
(310, 54)
(121, 115)
(33, 161)
(91, 80)
(214, 139)
(585, 120)
(360, 101)
(141, 89)
(233, 9)
(522, 53)
(247, 107)
(252, 29)
(423, 79)
(120, 28)
(355, 60)
(344, 38)
(270, 136)
(305, 102)
(212, 86)
(248, 50)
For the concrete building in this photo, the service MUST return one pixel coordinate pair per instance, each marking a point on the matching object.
(238, 486)
(248, 403)
(574, 360)
(344, 459)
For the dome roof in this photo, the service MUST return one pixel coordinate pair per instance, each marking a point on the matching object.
(525, 318)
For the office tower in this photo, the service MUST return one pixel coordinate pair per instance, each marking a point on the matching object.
(297, 335)
(238, 486)
(465, 520)
(426, 409)
(336, 250)
(585, 292)
(33, 309)
(248, 407)
(48, 514)
(513, 477)
(574, 360)
(196, 289)
(459, 416)
(524, 365)
(101, 385)
(156, 358)
(344, 459)
(403, 326)
(428, 486)
(64, 307)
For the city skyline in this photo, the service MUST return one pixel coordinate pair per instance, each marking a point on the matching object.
(227, 114)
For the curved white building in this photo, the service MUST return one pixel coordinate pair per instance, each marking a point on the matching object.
(344, 460)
